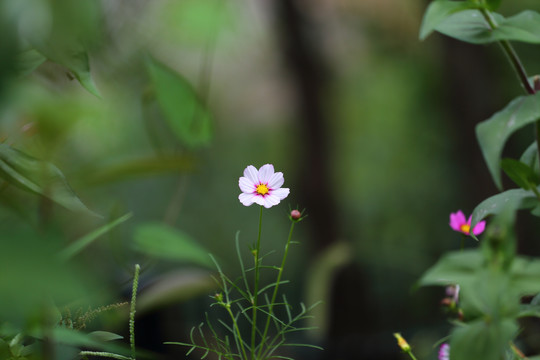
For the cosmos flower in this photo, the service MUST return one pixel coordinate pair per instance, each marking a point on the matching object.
(444, 352)
(262, 186)
(458, 223)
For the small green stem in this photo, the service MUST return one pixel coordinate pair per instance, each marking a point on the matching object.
(274, 295)
(235, 324)
(518, 68)
(256, 289)
(132, 310)
(411, 355)
(537, 134)
(511, 54)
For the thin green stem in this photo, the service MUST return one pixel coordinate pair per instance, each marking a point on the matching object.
(237, 329)
(274, 295)
(518, 68)
(256, 288)
(411, 355)
(537, 135)
(132, 310)
(511, 54)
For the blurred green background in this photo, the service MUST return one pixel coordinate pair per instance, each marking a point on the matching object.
(156, 107)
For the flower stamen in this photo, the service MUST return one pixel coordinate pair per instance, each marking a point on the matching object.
(465, 228)
(262, 189)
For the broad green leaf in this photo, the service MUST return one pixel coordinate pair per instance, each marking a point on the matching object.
(72, 27)
(186, 114)
(453, 268)
(520, 173)
(530, 157)
(86, 240)
(439, 10)
(482, 339)
(525, 273)
(38, 176)
(470, 26)
(489, 294)
(514, 198)
(75, 58)
(28, 61)
(528, 310)
(493, 133)
(165, 242)
(524, 27)
(79, 339)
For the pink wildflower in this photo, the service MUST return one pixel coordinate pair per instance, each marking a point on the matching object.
(458, 223)
(262, 186)
(444, 352)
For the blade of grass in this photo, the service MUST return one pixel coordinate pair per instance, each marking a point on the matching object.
(81, 243)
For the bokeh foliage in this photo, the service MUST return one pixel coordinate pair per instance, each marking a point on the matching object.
(90, 88)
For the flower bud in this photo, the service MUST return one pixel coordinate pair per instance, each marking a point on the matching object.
(296, 215)
(536, 82)
(402, 343)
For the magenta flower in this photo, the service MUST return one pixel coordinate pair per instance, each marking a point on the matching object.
(262, 186)
(444, 352)
(458, 223)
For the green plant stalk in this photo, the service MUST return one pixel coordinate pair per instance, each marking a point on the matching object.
(511, 54)
(132, 311)
(537, 135)
(411, 355)
(518, 67)
(256, 289)
(274, 295)
(237, 329)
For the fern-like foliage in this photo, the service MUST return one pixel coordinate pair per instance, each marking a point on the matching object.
(228, 339)
(79, 320)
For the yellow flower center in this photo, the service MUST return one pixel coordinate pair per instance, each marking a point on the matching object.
(465, 228)
(262, 189)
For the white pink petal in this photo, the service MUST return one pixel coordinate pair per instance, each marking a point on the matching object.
(265, 173)
(246, 185)
(267, 177)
